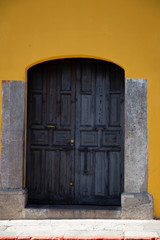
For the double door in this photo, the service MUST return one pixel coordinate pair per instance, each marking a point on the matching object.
(75, 132)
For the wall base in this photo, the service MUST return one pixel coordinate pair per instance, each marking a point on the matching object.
(134, 206)
(12, 203)
(137, 206)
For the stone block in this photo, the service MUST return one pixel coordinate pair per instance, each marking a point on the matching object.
(136, 136)
(54, 212)
(137, 206)
(12, 203)
(12, 134)
(12, 162)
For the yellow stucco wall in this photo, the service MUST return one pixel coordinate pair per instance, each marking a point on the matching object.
(126, 32)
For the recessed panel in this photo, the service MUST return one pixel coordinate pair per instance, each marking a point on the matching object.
(114, 174)
(100, 101)
(65, 110)
(35, 78)
(86, 82)
(66, 76)
(35, 172)
(36, 109)
(111, 138)
(50, 168)
(66, 176)
(51, 96)
(87, 174)
(115, 110)
(101, 174)
(61, 137)
(86, 118)
(39, 137)
(89, 138)
(116, 78)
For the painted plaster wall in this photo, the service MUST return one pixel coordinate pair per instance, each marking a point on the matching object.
(125, 32)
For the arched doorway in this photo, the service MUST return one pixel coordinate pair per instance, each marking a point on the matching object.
(75, 132)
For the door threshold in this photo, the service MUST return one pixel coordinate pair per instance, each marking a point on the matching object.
(82, 207)
(33, 211)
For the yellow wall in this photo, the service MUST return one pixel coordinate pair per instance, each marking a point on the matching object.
(126, 32)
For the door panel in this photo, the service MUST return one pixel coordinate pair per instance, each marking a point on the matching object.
(36, 108)
(98, 136)
(101, 179)
(115, 109)
(114, 174)
(65, 110)
(89, 138)
(101, 95)
(86, 114)
(75, 132)
(50, 156)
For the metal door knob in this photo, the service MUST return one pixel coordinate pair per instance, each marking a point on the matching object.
(51, 126)
(71, 184)
(71, 142)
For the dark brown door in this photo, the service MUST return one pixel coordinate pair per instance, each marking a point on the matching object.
(75, 132)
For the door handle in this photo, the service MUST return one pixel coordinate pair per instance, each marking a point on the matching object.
(51, 126)
(71, 184)
(72, 142)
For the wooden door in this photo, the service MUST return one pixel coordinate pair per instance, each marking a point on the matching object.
(99, 133)
(50, 156)
(75, 132)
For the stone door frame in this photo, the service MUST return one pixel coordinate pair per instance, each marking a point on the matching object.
(136, 202)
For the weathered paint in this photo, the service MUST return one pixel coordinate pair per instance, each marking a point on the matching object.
(124, 32)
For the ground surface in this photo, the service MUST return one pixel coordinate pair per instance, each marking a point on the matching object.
(79, 228)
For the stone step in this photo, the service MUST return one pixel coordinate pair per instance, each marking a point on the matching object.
(71, 212)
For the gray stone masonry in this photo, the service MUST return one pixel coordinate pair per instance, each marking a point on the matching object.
(12, 136)
(12, 203)
(136, 136)
(137, 206)
(12, 196)
(135, 201)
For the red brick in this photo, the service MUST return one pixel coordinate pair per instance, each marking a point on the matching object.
(93, 238)
(8, 237)
(41, 238)
(24, 238)
(57, 238)
(140, 238)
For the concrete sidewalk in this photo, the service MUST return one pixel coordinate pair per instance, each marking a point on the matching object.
(79, 228)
